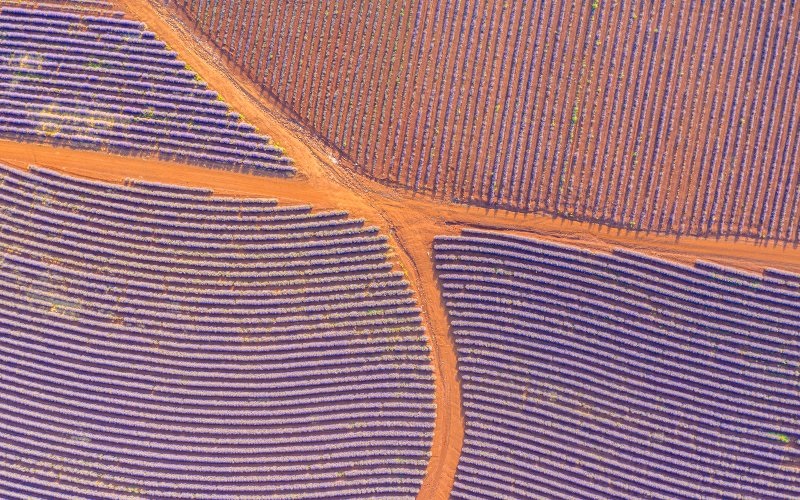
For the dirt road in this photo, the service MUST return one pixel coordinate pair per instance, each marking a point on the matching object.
(410, 221)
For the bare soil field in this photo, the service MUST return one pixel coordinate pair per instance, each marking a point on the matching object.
(671, 117)
(411, 220)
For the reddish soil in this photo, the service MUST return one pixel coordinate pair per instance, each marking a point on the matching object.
(663, 116)
(410, 221)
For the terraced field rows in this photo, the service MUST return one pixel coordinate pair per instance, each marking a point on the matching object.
(677, 117)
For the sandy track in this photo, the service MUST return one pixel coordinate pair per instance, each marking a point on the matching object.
(410, 221)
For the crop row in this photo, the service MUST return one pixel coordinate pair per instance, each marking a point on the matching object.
(73, 8)
(669, 274)
(284, 226)
(49, 184)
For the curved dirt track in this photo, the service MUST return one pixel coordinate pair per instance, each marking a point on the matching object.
(410, 221)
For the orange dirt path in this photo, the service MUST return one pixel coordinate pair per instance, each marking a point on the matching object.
(410, 221)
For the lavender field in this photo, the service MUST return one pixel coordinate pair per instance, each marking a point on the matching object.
(160, 342)
(105, 83)
(618, 375)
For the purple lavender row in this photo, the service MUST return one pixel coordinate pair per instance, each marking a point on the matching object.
(108, 84)
(259, 331)
(198, 305)
(623, 382)
(66, 18)
(177, 235)
(219, 348)
(130, 414)
(182, 248)
(688, 336)
(395, 389)
(606, 282)
(224, 250)
(690, 275)
(387, 394)
(57, 45)
(168, 188)
(85, 248)
(677, 384)
(178, 197)
(106, 439)
(119, 419)
(132, 108)
(495, 413)
(703, 345)
(289, 228)
(93, 68)
(77, 136)
(791, 279)
(343, 451)
(670, 450)
(372, 284)
(92, 64)
(354, 463)
(92, 488)
(39, 23)
(651, 417)
(636, 287)
(154, 274)
(219, 480)
(162, 96)
(753, 280)
(112, 424)
(100, 189)
(207, 306)
(656, 304)
(139, 201)
(506, 419)
(168, 206)
(698, 276)
(387, 307)
(271, 240)
(255, 400)
(165, 274)
(11, 25)
(233, 465)
(213, 216)
(233, 369)
(253, 487)
(636, 265)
